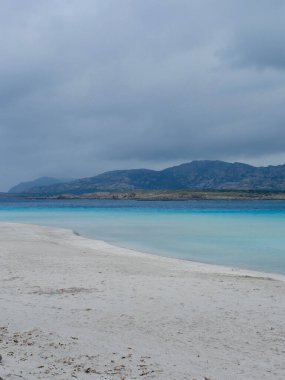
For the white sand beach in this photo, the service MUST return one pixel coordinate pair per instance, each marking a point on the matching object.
(72, 307)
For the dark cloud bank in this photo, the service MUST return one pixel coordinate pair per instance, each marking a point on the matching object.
(97, 85)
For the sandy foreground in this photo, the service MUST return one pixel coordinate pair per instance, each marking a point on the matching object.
(72, 307)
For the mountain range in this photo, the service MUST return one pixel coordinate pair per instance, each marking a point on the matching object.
(212, 175)
(25, 187)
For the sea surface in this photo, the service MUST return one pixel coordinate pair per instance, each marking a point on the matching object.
(244, 234)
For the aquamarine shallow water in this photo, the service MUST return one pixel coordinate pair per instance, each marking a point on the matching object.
(245, 234)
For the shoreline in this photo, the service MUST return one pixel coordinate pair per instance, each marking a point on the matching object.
(73, 307)
(196, 265)
(159, 195)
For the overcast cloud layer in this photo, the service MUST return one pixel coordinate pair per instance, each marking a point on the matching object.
(88, 86)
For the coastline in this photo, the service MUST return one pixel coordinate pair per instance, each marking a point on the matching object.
(159, 195)
(164, 317)
(195, 266)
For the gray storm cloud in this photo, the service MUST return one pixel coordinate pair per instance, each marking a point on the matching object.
(97, 85)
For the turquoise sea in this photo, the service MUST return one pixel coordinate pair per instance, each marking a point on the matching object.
(245, 234)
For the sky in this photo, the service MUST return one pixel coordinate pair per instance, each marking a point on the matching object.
(90, 86)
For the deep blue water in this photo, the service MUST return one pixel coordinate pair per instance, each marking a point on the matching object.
(246, 234)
